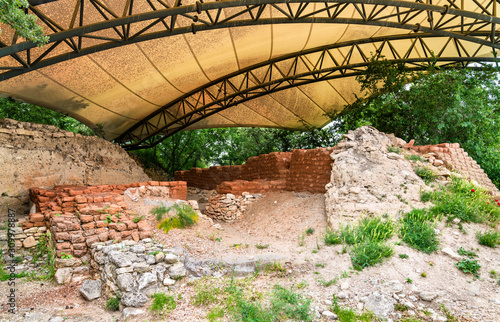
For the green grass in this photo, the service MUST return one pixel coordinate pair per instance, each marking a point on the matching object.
(375, 229)
(394, 149)
(238, 300)
(367, 239)
(403, 256)
(332, 237)
(468, 266)
(469, 253)
(415, 157)
(426, 174)
(458, 200)
(163, 303)
(418, 232)
(185, 216)
(215, 314)
(488, 238)
(113, 303)
(260, 246)
(345, 314)
(369, 253)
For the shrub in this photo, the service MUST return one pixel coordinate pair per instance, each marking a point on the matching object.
(417, 232)
(490, 238)
(185, 216)
(159, 212)
(369, 253)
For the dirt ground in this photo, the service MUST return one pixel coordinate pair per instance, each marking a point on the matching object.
(280, 220)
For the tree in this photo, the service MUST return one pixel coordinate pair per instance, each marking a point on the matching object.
(25, 112)
(13, 14)
(435, 106)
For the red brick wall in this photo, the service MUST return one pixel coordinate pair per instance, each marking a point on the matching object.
(310, 170)
(299, 170)
(78, 216)
(71, 198)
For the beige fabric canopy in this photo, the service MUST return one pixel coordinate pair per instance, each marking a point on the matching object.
(145, 69)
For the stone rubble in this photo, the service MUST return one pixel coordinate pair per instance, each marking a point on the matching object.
(229, 207)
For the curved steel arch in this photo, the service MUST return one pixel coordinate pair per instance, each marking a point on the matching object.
(448, 21)
(291, 70)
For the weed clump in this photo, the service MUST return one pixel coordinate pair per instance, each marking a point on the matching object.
(463, 200)
(426, 174)
(488, 238)
(332, 237)
(369, 253)
(163, 303)
(468, 266)
(418, 232)
(184, 216)
(113, 303)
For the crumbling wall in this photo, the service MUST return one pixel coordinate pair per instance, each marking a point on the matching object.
(36, 155)
(454, 157)
(309, 170)
(79, 216)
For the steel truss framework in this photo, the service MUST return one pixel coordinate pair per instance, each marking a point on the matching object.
(451, 22)
(305, 67)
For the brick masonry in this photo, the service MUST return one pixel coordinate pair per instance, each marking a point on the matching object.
(298, 170)
(309, 170)
(78, 216)
(455, 158)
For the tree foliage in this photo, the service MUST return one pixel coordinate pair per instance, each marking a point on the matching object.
(229, 146)
(12, 13)
(435, 106)
(25, 112)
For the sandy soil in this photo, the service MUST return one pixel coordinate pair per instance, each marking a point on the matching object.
(280, 220)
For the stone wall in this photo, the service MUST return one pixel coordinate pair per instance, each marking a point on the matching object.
(36, 155)
(298, 170)
(229, 207)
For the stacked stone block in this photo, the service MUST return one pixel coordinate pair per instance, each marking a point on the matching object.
(228, 207)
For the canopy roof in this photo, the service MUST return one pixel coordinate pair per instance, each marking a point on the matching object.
(146, 69)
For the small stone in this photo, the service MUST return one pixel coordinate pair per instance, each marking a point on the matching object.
(63, 275)
(344, 286)
(329, 315)
(428, 296)
(134, 299)
(29, 242)
(218, 226)
(131, 312)
(450, 253)
(120, 259)
(327, 302)
(393, 286)
(91, 289)
(168, 281)
(139, 249)
(159, 257)
(150, 259)
(170, 259)
(177, 271)
(141, 267)
(123, 270)
(381, 305)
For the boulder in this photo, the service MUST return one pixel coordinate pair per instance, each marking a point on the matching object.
(63, 275)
